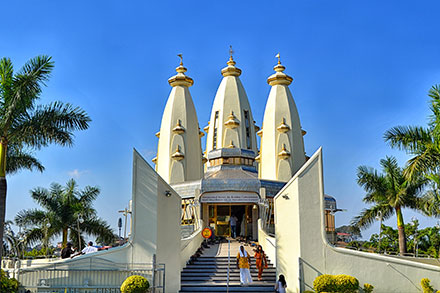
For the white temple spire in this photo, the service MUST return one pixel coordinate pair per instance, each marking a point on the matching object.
(282, 146)
(179, 153)
(231, 115)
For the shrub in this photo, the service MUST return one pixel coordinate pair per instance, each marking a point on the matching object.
(338, 283)
(135, 284)
(9, 285)
(426, 286)
(368, 288)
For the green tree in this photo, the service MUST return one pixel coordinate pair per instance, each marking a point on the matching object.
(388, 193)
(422, 143)
(62, 209)
(26, 126)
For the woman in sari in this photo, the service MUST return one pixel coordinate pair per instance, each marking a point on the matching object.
(260, 261)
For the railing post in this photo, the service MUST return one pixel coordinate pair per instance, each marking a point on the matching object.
(153, 280)
(229, 259)
(163, 279)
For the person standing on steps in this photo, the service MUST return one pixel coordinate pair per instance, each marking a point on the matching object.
(244, 264)
(233, 221)
(260, 261)
(281, 285)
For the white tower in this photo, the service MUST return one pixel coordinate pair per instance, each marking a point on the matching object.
(231, 124)
(179, 153)
(282, 145)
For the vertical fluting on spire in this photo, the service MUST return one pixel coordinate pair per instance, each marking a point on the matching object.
(282, 145)
(179, 153)
(231, 120)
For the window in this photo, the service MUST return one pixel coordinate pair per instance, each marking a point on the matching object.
(248, 129)
(214, 143)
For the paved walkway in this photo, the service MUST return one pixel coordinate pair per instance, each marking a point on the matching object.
(219, 250)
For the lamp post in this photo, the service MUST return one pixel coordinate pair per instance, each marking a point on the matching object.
(79, 220)
(416, 242)
(125, 213)
(46, 237)
(438, 228)
(120, 226)
(379, 218)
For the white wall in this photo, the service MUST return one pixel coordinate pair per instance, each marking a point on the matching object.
(303, 251)
(268, 243)
(189, 245)
(156, 230)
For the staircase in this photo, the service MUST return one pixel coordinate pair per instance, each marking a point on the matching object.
(209, 274)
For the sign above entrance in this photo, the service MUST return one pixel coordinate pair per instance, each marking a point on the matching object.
(229, 197)
(206, 233)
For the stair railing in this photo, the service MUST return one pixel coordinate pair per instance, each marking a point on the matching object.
(229, 260)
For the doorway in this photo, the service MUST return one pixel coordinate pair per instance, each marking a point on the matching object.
(220, 215)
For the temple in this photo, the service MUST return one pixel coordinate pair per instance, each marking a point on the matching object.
(235, 175)
(268, 186)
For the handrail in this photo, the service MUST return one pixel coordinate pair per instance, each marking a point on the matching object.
(229, 259)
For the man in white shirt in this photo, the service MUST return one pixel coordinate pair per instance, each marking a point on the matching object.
(89, 249)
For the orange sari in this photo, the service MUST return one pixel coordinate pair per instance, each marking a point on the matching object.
(260, 262)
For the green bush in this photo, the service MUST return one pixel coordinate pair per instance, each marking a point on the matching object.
(368, 288)
(337, 283)
(36, 253)
(135, 284)
(8, 285)
(426, 286)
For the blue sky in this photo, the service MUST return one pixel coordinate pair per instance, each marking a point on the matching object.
(359, 68)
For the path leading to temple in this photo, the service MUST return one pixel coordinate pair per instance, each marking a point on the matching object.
(208, 273)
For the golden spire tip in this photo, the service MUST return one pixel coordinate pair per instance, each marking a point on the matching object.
(278, 56)
(181, 59)
(230, 52)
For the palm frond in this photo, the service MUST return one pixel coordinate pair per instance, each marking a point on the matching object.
(88, 195)
(34, 235)
(30, 217)
(27, 85)
(434, 94)
(18, 159)
(425, 162)
(408, 138)
(372, 182)
(45, 198)
(98, 227)
(51, 123)
(368, 216)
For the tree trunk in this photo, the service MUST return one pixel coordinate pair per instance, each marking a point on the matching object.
(2, 212)
(401, 230)
(3, 187)
(65, 237)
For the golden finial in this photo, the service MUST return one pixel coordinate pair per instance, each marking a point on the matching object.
(180, 78)
(278, 56)
(279, 77)
(181, 59)
(231, 69)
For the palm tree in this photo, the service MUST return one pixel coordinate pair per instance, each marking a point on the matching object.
(64, 208)
(423, 143)
(388, 193)
(25, 126)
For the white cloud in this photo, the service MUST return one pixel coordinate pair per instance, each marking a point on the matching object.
(77, 173)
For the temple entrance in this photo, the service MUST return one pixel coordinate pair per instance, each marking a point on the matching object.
(220, 217)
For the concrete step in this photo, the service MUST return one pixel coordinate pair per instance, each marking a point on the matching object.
(224, 273)
(209, 274)
(220, 270)
(232, 288)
